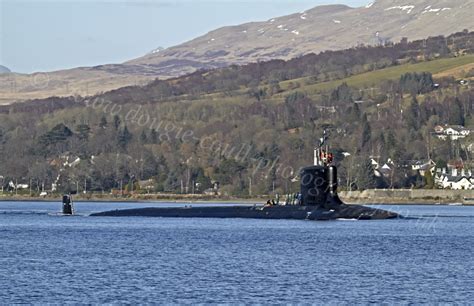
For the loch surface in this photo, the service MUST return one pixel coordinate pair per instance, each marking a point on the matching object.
(47, 258)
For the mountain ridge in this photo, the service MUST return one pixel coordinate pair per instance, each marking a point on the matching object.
(328, 27)
(4, 69)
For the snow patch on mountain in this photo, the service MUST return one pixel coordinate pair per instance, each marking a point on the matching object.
(157, 50)
(370, 5)
(428, 9)
(408, 8)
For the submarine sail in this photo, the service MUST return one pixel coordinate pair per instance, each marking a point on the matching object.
(68, 206)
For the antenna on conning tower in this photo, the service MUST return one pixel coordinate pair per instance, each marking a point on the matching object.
(322, 157)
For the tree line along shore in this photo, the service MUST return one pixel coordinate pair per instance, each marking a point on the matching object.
(368, 197)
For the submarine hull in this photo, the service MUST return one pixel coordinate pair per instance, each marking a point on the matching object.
(343, 211)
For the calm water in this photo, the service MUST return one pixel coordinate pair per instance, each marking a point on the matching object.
(45, 258)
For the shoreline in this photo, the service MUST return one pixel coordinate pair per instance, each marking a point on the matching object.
(134, 199)
(157, 199)
(389, 202)
(407, 196)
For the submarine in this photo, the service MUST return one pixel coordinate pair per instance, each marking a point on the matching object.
(317, 200)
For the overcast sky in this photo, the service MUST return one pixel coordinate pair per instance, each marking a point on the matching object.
(44, 35)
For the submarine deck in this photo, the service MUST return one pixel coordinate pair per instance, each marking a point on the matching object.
(294, 212)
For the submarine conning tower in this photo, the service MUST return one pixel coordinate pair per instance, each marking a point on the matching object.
(319, 182)
(68, 208)
(319, 186)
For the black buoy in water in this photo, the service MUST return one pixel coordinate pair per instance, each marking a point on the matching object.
(68, 208)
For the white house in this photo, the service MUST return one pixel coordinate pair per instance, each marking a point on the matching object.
(458, 183)
(454, 132)
(383, 171)
(12, 185)
(423, 166)
(456, 180)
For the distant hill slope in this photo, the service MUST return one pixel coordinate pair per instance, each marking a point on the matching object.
(331, 27)
(4, 69)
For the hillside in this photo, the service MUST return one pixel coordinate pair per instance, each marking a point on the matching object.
(255, 122)
(4, 69)
(332, 27)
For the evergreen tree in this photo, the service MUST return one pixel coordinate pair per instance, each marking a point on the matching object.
(294, 97)
(103, 122)
(257, 93)
(57, 134)
(117, 122)
(365, 175)
(143, 137)
(272, 151)
(153, 136)
(228, 169)
(162, 173)
(354, 113)
(124, 138)
(425, 82)
(342, 93)
(416, 181)
(83, 131)
(412, 115)
(172, 182)
(390, 140)
(130, 186)
(456, 116)
(201, 179)
(415, 83)
(429, 181)
(366, 132)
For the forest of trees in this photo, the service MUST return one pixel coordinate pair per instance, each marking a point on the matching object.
(250, 128)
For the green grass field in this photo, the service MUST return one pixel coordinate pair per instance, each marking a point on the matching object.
(368, 79)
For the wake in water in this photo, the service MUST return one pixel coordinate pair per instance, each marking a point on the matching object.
(59, 214)
(38, 213)
(445, 216)
(23, 212)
